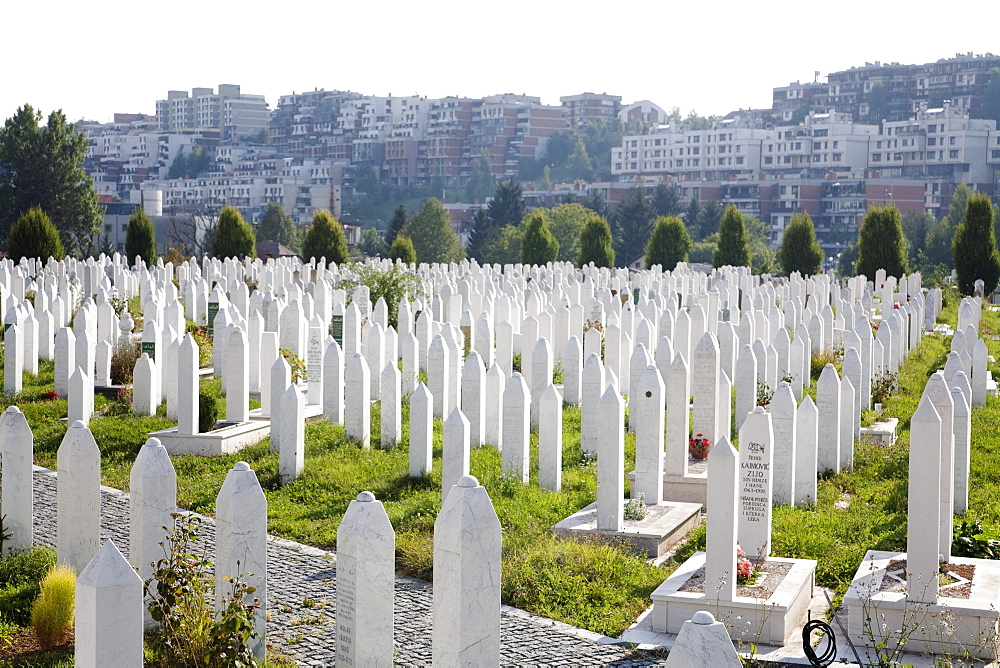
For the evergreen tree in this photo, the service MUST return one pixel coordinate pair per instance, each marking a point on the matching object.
(140, 238)
(277, 225)
(396, 224)
(692, 217)
(538, 246)
(732, 248)
(880, 243)
(598, 204)
(481, 183)
(976, 255)
(709, 215)
(666, 200)
(506, 248)
(633, 223)
(578, 164)
(325, 239)
(402, 249)
(595, 243)
(669, 243)
(233, 237)
(507, 206)
(799, 249)
(34, 236)
(481, 237)
(432, 235)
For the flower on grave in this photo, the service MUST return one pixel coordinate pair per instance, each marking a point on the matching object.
(699, 446)
(746, 572)
(49, 396)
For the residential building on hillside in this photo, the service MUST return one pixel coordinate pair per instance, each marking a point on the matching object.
(228, 113)
(586, 107)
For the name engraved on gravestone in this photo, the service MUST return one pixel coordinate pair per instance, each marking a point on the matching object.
(314, 355)
(213, 310)
(149, 347)
(346, 566)
(337, 329)
(754, 493)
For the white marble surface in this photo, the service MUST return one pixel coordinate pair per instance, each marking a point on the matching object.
(16, 453)
(79, 497)
(109, 612)
(703, 643)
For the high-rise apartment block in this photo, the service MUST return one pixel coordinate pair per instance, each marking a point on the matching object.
(228, 112)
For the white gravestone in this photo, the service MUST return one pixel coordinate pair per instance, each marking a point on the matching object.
(516, 454)
(109, 612)
(924, 508)
(937, 391)
(291, 456)
(16, 452)
(455, 451)
(962, 426)
(721, 525)
(421, 432)
(647, 405)
(78, 529)
(829, 406)
(703, 643)
(783, 419)
(550, 439)
(611, 462)
(756, 468)
(357, 405)
(677, 390)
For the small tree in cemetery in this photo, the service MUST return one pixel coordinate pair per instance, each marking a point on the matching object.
(799, 249)
(140, 238)
(233, 237)
(975, 248)
(432, 235)
(34, 235)
(538, 246)
(325, 239)
(733, 248)
(880, 243)
(595, 243)
(402, 249)
(669, 243)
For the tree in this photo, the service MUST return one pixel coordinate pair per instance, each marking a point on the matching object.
(396, 224)
(666, 200)
(709, 216)
(43, 167)
(976, 255)
(538, 246)
(597, 203)
(402, 249)
(692, 216)
(507, 206)
(140, 238)
(878, 103)
(595, 243)
(991, 97)
(432, 235)
(578, 164)
(915, 229)
(481, 183)
(233, 237)
(325, 239)
(506, 247)
(633, 222)
(566, 222)
(669, 243)
(880, 243)
(34, 235)
(763, 260)
(848, 258)
(799, 249)
(732, 248)
(277, 225)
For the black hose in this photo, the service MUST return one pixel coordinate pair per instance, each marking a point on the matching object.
(829, 654)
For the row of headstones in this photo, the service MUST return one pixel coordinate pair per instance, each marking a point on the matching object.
(109, 608)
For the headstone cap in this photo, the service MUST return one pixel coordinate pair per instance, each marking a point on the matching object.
(366, 497)
(241, 466)
(703, 618)
(468, 481)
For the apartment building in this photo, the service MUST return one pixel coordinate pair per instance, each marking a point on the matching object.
(586, 107)
(227, 113)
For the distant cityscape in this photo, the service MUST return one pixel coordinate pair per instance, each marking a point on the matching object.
(878, 133)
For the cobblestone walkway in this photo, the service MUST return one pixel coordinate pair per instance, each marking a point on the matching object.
(302, 593)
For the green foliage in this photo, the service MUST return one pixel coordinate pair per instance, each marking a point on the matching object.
(702, 251)
(325, 240)
(669, 243)
(295, 363)
(392, 285)
(976, 255)
(371, 243)
(595, 243)
(140, 238)
(190, 165)
(884, 385)
(507, 207)
(732, 248)
(277, 225)
(123, 359)
(597, 203)
(396, 224)
(20, 583)
(233, 237)
(34, 235)
(635, 509)
(566, 222)
(666, 200)
(763, 260)
(43, 167)
(880, 243)
(402, 249)
(481, 237)
(799, 249)
(848, 258)
(916, 227)
(181, 594)
(432, 235)
(481, 183)
(538, 245)
(506, 246)
(710, 214)
(208, 412)
(968, 541)
(52, 614)
(633, 222)
(878, 103)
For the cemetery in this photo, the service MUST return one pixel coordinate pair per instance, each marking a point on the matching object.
(495, 465)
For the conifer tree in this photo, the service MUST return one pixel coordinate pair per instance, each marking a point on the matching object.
(595, 243)
(34, 235)
(880, 243)
(799, 249)
(669, 243)
(976, 255)
(633, 222)
(140, 238)
(233, 237)
(396, 224)
(733, 248)
(325, 239)
(538, 245)
(277, 225)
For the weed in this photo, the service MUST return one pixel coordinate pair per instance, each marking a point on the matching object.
(53, 611)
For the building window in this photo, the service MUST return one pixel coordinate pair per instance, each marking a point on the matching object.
(837, 157)
(876, 157)
(953, 154)
(739, 160)
(996, 153)
(932, 141)
(951, 140)
(768, 160)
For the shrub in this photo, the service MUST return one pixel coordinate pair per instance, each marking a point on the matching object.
(392, 285)
(595, 243)
(883, 387)
(733, 247)
(969, 541)
(233, 237)
(669, 243)
(881, 244)
(402, 249)
(538, 246)
(123, 360)
(764, 394)
(800, 251)
(296, 363)
(181, 594)
(325, 240)
(53, 611)
(20, 582)
(208, 412)
(34, 235)
(140, 238)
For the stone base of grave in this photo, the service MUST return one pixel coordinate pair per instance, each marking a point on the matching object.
(769, 620)
(883, 432)
(222, 441)
(312, 410)
(690, 488)
(991, 387)
(662, 528)
(952, 626)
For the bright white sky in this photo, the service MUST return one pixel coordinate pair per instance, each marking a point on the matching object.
(95, 60)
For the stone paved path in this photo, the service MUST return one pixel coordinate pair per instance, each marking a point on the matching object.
(302, 593)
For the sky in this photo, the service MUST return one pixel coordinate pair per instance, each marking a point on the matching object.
(712, 57)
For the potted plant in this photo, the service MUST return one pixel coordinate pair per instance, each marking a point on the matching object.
(699, 446)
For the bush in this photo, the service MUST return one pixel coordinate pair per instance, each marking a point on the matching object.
(884, 385)
(20, 583)
(233, 237)
(538, 246)
(208, 412)
(669, 243)
(391, 285)
(595, 243)
(800, 251)
(402, 249)
(733, 248)
(53, 611)
(325, 240)
(140, 238)
(296, 364)
(34, 235)
(181, 594)
(123, 360)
